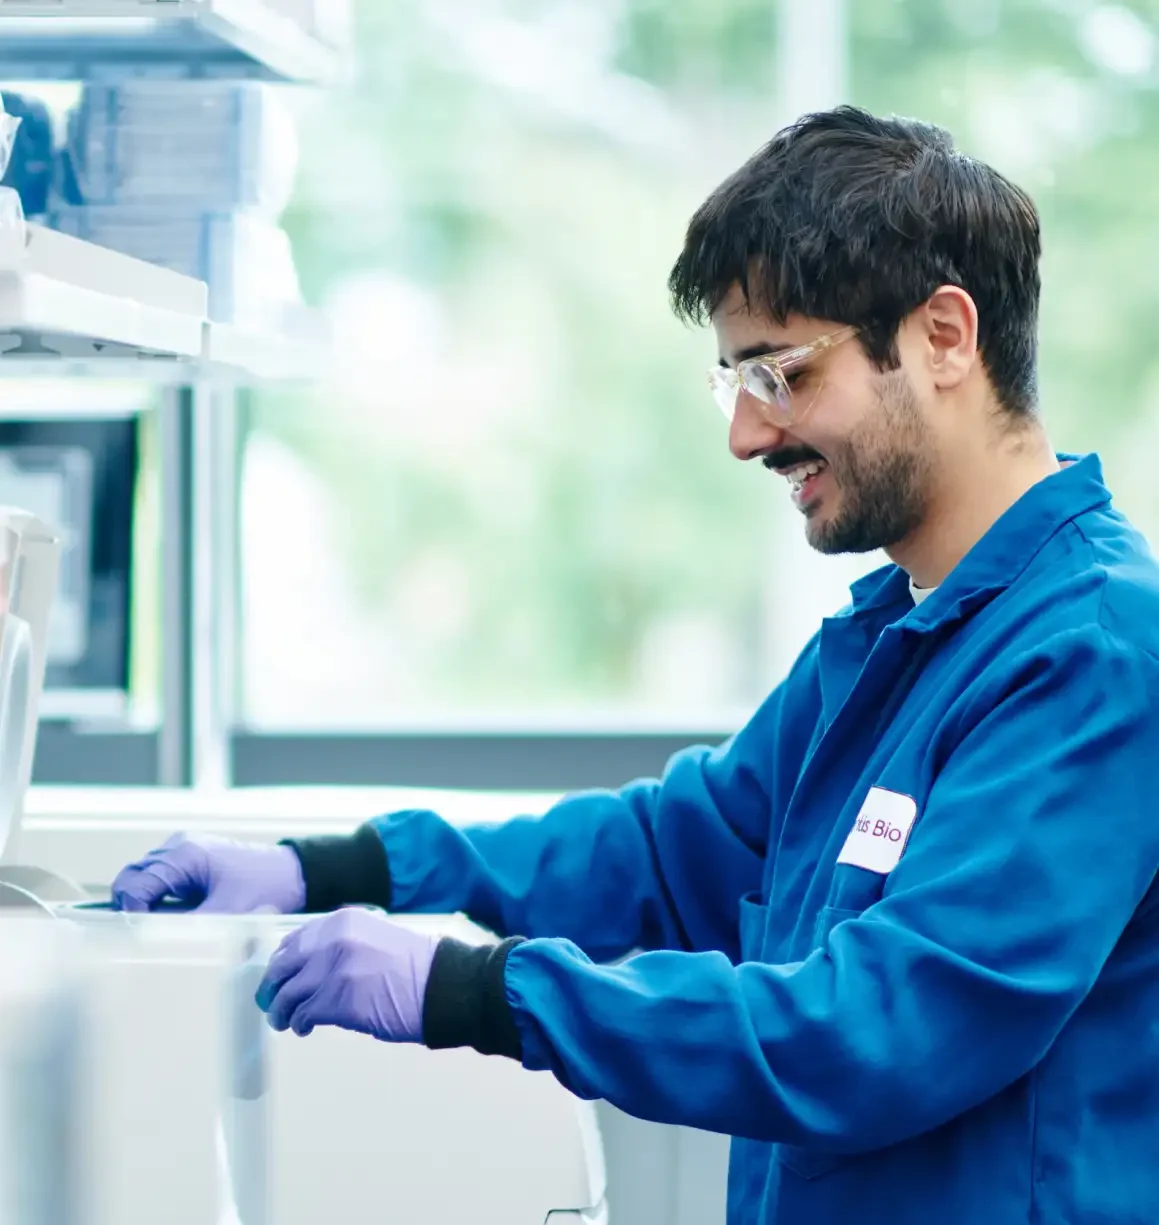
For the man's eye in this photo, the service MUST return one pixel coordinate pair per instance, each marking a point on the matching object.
(763, 379)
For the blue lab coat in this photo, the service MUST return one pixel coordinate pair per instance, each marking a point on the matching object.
(900, 934)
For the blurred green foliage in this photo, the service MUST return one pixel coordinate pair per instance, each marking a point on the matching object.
(531, 167)
(1019, 84)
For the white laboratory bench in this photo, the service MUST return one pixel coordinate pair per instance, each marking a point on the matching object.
(657, 1175)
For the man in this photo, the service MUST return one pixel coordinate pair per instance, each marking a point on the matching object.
(899, 935)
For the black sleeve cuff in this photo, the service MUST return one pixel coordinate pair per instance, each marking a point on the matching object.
(466, 1000)
(343, 870)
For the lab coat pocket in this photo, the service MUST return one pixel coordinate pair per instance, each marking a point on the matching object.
(815, 1162)
(854, 889)
(753, 921)
(828, 919)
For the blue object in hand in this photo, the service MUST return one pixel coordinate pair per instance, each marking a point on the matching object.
(213, 876)
(354, 969)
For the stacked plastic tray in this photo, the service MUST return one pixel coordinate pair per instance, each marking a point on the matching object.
(190, 175)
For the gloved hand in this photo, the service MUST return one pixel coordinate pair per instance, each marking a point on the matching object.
(213, 875)
(354, 969)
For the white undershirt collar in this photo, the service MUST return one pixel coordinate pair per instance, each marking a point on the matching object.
(920, 593)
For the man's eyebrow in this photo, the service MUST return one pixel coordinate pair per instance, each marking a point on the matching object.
(758, 350)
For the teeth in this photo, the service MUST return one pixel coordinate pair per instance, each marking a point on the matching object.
(798, 476)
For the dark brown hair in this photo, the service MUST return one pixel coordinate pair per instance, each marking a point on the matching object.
(858, 219)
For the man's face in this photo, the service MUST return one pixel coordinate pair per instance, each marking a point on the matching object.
(867, 429)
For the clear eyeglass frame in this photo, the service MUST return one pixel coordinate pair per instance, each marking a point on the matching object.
(766, 378)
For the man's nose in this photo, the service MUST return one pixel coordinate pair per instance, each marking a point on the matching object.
(751, 432)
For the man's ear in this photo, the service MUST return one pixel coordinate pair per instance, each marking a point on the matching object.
(950, 322)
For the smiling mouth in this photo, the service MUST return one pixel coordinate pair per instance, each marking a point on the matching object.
(800, 476)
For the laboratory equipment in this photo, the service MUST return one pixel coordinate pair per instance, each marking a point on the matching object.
(105, 1118)
(150, 1112)
(182, 1105)
(80, 474)
(88, 1030)
(340, 1127)
(426, 1137)
(37, 1008)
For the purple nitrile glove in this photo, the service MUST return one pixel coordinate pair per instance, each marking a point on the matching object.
(214, 876)
(354, 969)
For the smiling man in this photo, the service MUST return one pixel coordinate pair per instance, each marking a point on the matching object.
(899, 936)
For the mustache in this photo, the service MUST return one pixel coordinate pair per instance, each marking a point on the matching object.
(791, 457)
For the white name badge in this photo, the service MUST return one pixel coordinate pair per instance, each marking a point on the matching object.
(880, 832)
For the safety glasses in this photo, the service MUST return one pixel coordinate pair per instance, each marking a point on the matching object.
(784, 384)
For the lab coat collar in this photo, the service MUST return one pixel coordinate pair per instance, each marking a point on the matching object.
(999, 557)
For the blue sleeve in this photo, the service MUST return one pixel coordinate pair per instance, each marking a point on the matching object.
(659, 864)
(939, 995)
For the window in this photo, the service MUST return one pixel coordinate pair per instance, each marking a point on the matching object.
(514, 506)
(1061, 98)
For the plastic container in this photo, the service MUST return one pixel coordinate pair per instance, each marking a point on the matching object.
(202, 146)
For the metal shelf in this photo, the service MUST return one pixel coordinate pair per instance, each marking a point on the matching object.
(230, 357)
(69, 298)
(229, 39)
(73, 309)
(111, 365)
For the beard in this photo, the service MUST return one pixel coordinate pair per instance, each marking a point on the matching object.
(883, 472)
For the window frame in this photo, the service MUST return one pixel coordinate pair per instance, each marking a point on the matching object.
(475, 761)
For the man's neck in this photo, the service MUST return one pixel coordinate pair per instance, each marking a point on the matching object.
(969, 506)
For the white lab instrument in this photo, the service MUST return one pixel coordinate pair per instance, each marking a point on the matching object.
(104, 1118)
(450, 1136)
(182, 1105)
(87, 1014)
(337, 1127)
(37, 1003)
